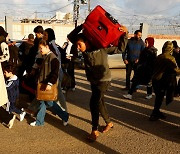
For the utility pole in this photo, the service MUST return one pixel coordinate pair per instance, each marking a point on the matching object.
(76, 12)
(6, 23)
(89, 6)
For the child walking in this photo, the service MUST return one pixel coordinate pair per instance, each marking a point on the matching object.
(12, 86)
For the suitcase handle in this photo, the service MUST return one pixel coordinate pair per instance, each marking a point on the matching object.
(110, 17)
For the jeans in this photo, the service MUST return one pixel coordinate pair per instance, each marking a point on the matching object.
(97, 104)
(57, 109)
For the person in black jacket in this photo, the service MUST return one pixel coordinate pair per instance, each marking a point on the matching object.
(38, 30)
(145, 68)
(176, 54)
(98, 74)
(24, 50)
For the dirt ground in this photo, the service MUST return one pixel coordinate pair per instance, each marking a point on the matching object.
(132, 133)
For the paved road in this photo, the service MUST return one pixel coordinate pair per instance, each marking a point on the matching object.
(132, 132)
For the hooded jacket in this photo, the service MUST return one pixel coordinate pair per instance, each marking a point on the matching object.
(165, 64)
(165, 71)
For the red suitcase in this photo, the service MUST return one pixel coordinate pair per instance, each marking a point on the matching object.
(101, 29)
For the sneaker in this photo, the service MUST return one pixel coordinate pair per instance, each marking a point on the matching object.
(128, 96)
(148, 97)
(22, 115)
(65, 123)
(11, 122)
(33, 123)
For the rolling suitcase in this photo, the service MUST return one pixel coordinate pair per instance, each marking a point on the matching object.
(101, 29)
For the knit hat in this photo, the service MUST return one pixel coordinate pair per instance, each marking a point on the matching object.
(167, 47)
(150, 41)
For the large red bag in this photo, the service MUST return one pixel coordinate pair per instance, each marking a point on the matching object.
(101, 29)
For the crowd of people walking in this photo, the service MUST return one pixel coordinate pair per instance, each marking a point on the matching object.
(41, 62)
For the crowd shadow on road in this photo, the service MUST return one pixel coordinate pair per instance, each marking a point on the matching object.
(134, 113)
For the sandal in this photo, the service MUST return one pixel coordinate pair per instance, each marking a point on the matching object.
(107, 127)
(93, 136)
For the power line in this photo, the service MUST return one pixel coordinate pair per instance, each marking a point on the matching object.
(57, 9)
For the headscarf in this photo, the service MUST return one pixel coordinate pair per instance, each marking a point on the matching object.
(167, 47)
(150, 41)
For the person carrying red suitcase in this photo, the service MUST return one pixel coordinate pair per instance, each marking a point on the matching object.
(98, 74)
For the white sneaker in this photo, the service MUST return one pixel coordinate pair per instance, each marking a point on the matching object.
(148, 96)
(22, 115)
(33, 123)
(65, 123)
(11, 122)
(128, 96)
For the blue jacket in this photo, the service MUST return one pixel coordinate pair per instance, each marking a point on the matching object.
(133, 49)
(12, 86)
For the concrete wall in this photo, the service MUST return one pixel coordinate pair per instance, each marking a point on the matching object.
(21, 30)
(160, 42)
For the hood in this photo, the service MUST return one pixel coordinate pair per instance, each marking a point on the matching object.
(13, 78)
(150, 41)
(167, 47)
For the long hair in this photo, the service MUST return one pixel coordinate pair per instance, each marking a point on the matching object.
(51, 34)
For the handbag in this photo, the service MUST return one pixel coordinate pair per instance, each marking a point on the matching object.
(47, 95)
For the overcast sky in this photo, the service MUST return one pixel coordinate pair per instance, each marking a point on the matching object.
(127, 10)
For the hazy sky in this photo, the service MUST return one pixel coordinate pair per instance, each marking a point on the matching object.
(125, 9)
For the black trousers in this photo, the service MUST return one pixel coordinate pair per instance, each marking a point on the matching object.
(159, 95)
(137, 82)
(97, 104)
(165, 86)
(129, 67)
(70, 70)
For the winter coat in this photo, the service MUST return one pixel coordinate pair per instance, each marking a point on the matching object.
(12, 86)
(165, 71)
(96, 64)
(49, 71)
(146, 65)
(3, 57)
(133, 49)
